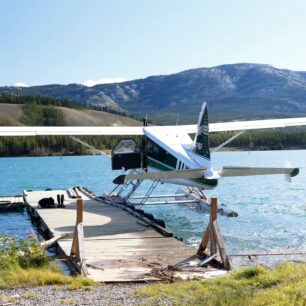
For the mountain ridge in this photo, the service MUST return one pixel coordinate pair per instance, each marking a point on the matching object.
(232, 91)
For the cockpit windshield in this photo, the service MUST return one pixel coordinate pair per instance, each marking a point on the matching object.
(126, 146)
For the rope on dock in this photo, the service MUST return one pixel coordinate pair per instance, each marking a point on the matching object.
(267, 254)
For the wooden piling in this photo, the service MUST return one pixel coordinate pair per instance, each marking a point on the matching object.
(77, 247)
(213, 237)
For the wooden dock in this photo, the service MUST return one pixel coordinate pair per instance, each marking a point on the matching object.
(120, 245)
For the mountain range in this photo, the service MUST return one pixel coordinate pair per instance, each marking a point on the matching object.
(235, 91)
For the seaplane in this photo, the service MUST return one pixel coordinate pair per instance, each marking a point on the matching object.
(168, 154)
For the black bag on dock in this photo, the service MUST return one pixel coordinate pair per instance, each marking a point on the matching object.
(46, 203)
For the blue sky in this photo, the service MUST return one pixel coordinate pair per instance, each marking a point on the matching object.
(73, 41)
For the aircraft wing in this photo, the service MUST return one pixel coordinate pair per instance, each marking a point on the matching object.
(69, 130)
(244, 125)
(256, 124)
(139, 130)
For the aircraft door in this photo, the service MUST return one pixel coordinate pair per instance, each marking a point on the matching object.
(127, 155)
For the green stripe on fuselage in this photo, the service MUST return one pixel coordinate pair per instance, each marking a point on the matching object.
(151, 162)
(209, 182)
(158, 165)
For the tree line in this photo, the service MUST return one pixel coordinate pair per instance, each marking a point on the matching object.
(277, 139)
(63, 145)
(42, 111)
(53, 145)
(41, 100)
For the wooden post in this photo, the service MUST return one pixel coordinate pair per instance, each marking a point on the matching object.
(213, 217)
(80, 207)
(77, 247)
(213, 208)
(213, 237)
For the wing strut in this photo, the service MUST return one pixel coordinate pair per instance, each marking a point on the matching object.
(86, 144)
(227, 142)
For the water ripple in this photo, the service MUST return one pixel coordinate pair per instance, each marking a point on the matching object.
(272, 212)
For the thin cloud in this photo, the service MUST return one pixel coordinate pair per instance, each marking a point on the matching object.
(20, 84)
(90, 83)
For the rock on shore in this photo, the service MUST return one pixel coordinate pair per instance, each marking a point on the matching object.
(116, 294)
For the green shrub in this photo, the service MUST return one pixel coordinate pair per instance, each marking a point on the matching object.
(19, 252)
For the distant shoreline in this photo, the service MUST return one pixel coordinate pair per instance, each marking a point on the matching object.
(242, 149)
(109, 151)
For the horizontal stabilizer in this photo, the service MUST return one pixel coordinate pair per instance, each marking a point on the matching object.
(177, 174)
(246, 171)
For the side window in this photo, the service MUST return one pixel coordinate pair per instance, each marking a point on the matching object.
(160, 154)
(179, 165)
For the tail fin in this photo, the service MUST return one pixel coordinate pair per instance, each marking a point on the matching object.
(201, 140)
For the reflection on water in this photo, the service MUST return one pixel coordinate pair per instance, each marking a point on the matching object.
(17, 223)
(272, 212)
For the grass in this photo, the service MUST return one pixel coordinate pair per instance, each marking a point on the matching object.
(15, 275)
(19, 114)
(25, 263)
(29, 295)
(67, 301)
(282, 285)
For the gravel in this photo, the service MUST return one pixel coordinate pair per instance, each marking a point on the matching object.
(115, 294)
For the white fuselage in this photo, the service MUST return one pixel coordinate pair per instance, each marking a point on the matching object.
(172, 150)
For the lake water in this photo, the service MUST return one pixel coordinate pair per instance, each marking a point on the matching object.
(272, 212)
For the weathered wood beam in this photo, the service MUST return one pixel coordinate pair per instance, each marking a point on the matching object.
(53, 240)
